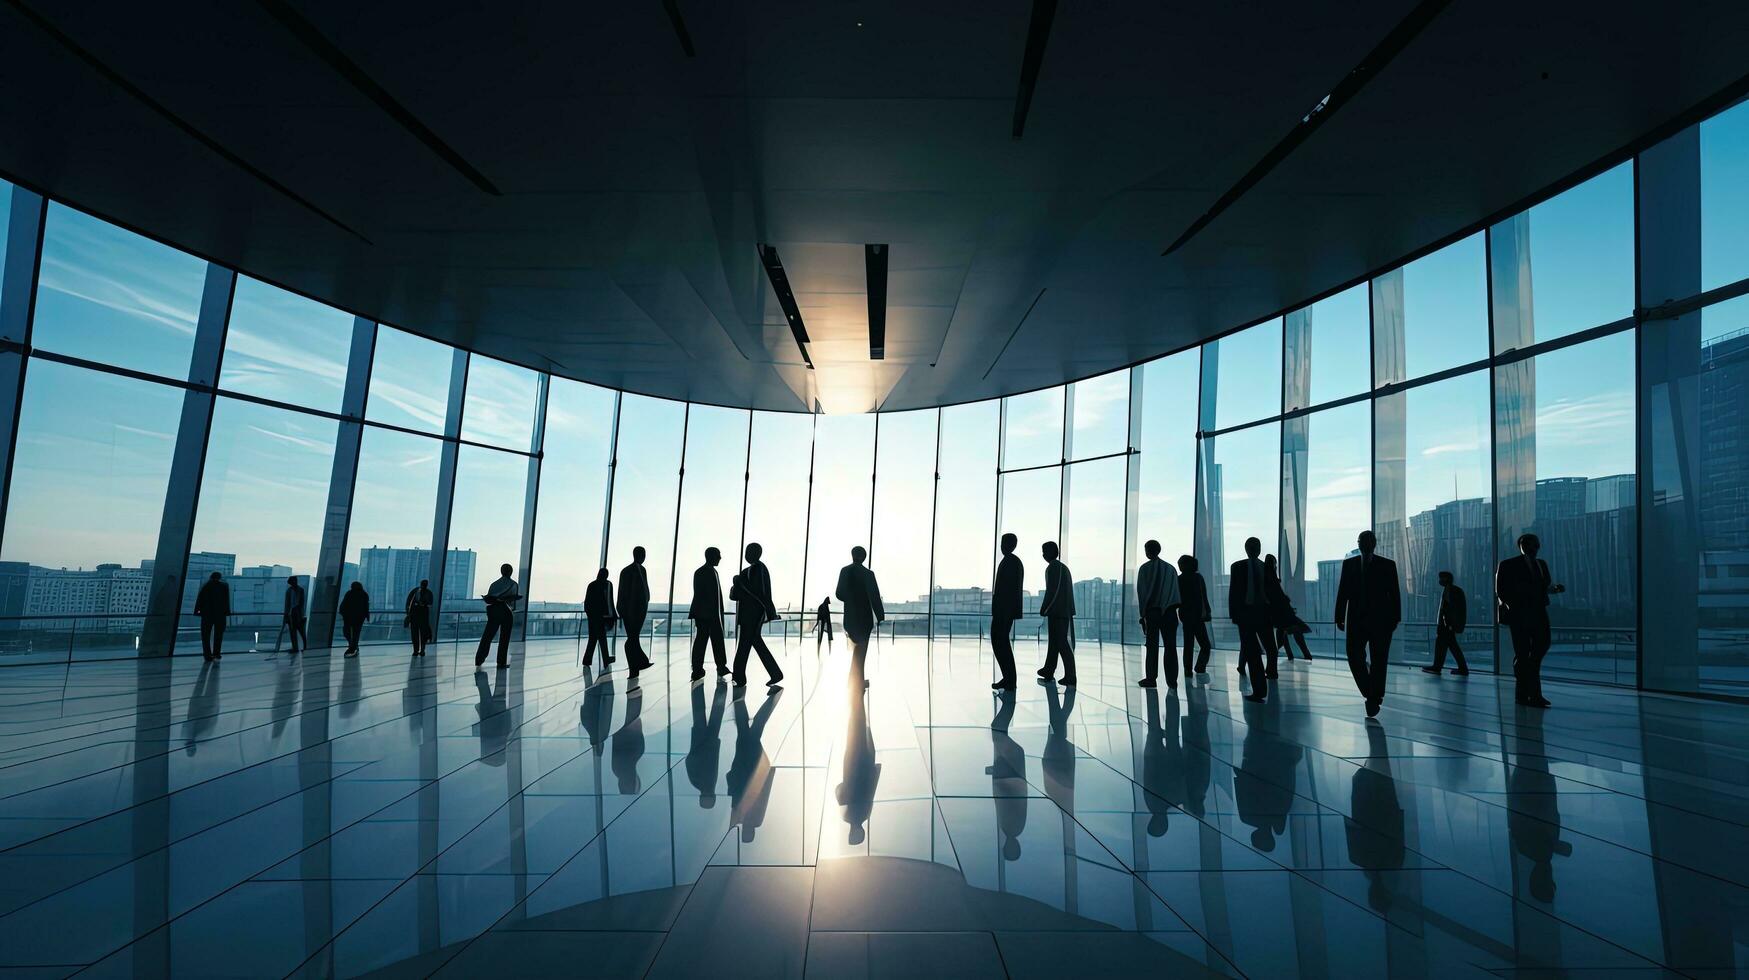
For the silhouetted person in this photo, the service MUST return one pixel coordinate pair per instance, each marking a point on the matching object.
(354, 611)
(493, 728)
(596, 715)
(598, 610)
(419, 600)
(1005, 608)
(628, 744)
(500, 599)
(1248, 608)
(1523, 586)
(861, 596)
(1007, 772)
(1289, 627)
(213, 605)
(1369, 605)
(1058, 760)
(295, 613)
(823, 622)
(1194, 612)
(203, 707)
(1157, 600)
(1058, 609)
(750, 770)
(1454, 611)
(634, 605)
(1375, 819)
(862, 773)
(1263, 784)
(1198, 761)
(1163, 765)
(1533, 809)
(705, 752)
(753, 609)
(706, 614)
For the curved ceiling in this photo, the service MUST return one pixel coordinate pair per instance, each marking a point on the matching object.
(585, 188)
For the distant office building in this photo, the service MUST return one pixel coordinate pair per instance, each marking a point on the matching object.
(112, 595)
(388, 574)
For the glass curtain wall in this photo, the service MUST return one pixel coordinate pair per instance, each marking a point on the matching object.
(1505, 381)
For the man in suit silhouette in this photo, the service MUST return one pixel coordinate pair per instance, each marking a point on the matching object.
(598, 609)
(1368, 607)
(1157, 601)
(634, 605)
(823, 623)
(753, 609)
(1453, 617)
(213, 605)
(295, 613)
(1195, 613)
(706, 614)
(1248, 608)
(501, 598)
(1005, 608)
(863, 611)
(1058, 608)
(704, 753)
(1522, 586)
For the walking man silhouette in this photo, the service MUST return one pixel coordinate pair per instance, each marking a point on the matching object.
(598, 609)
(419, 601)
(213, 605)
(863, 611)
(1368, 607)
(354, 611)
(634, 605)
(823, 622)
(294, 613)
(1248, 608)
(1005, 608)
(1194, 612)
(1058, 608)
(500, 599)
(1157, 601)
(1522, 586)
(751, 593)
(706, 613)
(1453, 617)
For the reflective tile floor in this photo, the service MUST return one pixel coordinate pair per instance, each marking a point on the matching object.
(386, 816)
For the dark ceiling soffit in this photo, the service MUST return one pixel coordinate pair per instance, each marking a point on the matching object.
(875, 261)
(1037, 33)
(1351, 84)
(312, 38)
(786, 298)
(679, 24)
(73, 47)
(1012, 334)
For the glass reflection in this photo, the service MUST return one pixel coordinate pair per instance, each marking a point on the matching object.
(862, 772)
(1724, 197)
(750, 771)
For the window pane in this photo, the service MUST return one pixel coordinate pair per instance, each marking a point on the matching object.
(573, 494)
(1724, 197)
(109, 295)
(1032, 511)
(904, 502)
(1568, 477)
(1093, 548)
(1033, 429)
(388, 543)
(1338, 495)
(1445, 308)
(1167, 502)
(1341, 345)
(710, 496)
(1582, 255)
(646, 487)
(965, 515)
(490, 489)
(409, 381)
(777, 501)
(1241, 376)
(282, 346)
(5, 225)
(1102, 415)
(91, 463)
(1241, 490)
(499, 410)
(843, 467)
(263, 498)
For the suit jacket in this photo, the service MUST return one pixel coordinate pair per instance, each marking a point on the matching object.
(355, 606)
(753, 605)
(598, 599)
(1522, 590)
(1059, 600)
(1454, 610)
(213, 601)
(861, 596)
(634, 592)
(1367, 594)
(1193, 595)
(707, 595)
(294, 601)
(1005, 598)
(1156, 586)
(1240, 611)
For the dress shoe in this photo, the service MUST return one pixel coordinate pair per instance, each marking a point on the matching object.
(1272, 675)
(698, 675)
(773, 682)
(1372, 709)
(1255, 699)
(1430, 670)
(1042, 672)
(740, 682)
(1202, 670)
(1145, 682)
(1067, 682)
(1002, 686)
(724, 671)
(1539, 703)
(479, 659)
(1461, 672)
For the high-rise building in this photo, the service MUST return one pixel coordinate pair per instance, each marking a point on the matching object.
(389, 573)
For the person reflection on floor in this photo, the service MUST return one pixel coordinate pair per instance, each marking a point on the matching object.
(351, 687)
(1007, 772)
(493, 728)
(1375, 819)
(750, 770)
(203, 707)
(1533, 814)
(1163, 769)
(862, 773)
(1059, 756)
(1198, 761)
(628, 744)
(418, 701)
(1263, 783)
(596, 715)
(704, 754)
